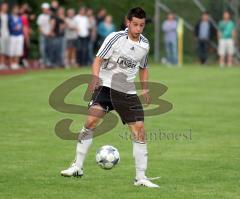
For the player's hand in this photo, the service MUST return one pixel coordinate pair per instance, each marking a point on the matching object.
(146, 96)
(95, 83)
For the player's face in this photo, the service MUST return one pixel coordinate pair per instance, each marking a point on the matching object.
(135, 27)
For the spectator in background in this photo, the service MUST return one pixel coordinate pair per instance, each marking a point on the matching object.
(61, 15)
(169, 28)
(204, 31)
(71, 37)
(226, 36)
(54, 7)
(124, 23)
(82, 25)
(4, 36)
(16, 37)
(105, 28)
(57, 38)
(43, 22)
(93, 35)
(101, 14)
(25, 11)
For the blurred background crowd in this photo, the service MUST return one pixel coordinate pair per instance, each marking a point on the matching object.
(70, 36)
(67, 37)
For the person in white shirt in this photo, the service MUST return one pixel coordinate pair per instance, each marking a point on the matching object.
(82, 26)
(4, 36)
(122, 55)
(93, 34)
(16, 43)
(43, 22)
(71, 37)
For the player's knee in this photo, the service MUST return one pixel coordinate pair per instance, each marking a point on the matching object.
(140, 133)
(141, 137)
(91, 123)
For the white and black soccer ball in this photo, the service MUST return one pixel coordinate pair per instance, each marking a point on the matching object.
(107, 157)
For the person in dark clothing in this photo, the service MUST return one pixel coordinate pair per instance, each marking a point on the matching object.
(57, 39)
(54, 7)
(101, 14)
(204, 32)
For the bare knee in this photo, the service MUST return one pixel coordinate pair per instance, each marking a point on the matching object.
(138, 132)
(91, 123)
(95, 113)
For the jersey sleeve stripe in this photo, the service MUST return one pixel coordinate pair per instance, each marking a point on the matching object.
(144, 39)
(109, 44)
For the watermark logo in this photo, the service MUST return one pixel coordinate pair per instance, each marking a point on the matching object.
(110, 120)
(159, 135)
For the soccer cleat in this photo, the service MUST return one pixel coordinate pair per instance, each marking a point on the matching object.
(73, 170)
(146, 182)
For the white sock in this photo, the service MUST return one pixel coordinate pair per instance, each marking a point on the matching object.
(140, 155)
(84, 143)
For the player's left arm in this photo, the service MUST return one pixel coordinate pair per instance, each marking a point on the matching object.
(143, 76)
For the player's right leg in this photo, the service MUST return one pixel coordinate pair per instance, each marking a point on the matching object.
(95, 113)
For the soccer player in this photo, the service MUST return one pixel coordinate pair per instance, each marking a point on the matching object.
(119, 59)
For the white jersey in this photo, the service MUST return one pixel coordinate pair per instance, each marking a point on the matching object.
(122, 60)
(82, 25)
(43, 21)
(4, 32)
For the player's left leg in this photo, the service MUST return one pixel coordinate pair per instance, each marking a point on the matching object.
(140, 154)
(130, 109)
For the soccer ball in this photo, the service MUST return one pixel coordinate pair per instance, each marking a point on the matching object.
(107, 157)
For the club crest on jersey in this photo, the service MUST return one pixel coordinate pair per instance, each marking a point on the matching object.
(126, 62)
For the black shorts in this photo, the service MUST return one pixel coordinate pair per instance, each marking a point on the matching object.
(128, 106)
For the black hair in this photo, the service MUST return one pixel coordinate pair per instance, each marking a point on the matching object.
(136, 12)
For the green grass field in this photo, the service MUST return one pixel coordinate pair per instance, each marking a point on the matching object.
(205, 99)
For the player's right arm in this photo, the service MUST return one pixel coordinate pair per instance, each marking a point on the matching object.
(104, 53)
(95, 73)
